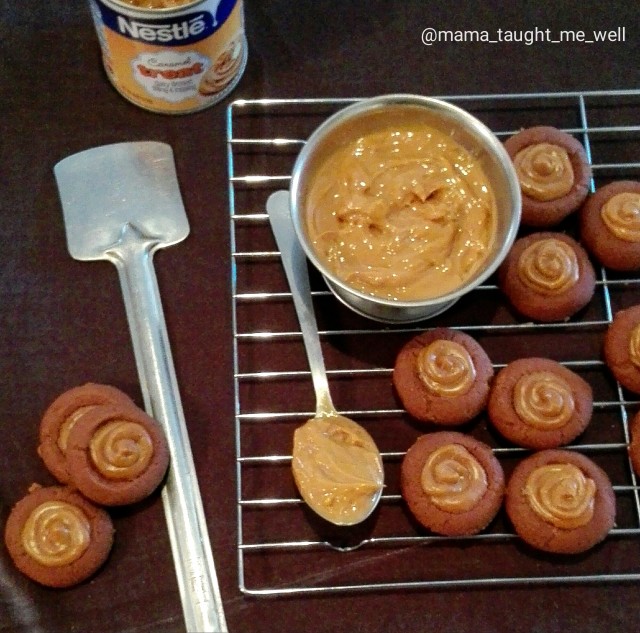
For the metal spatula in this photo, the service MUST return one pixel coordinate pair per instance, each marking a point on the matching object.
(121, 203)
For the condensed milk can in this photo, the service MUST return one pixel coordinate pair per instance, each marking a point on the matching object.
(172, 56)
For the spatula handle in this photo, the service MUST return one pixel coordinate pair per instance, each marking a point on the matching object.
(193, 558)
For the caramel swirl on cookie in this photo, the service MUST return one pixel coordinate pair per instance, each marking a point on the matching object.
(621, 348)
(453, 479)
(561, 495)
(57, 537)
(446, 368)
(621, 215)
(554, 174)
(118, 455)
(543, 400)
(121, 449)
(63, 414)
(549, 266)
(56, 533)
(539, 403)
(610, 225)
(544, 171)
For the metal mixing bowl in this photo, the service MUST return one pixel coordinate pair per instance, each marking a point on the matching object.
(374, 114)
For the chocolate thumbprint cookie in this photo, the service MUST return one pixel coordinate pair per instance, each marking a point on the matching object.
(610, 225)
(554, 174)
(560, 501)
(547, 276)
(62, 415)
(118, 455)
(538, 403)
(57, 537)
(452, 483)
(442, 376)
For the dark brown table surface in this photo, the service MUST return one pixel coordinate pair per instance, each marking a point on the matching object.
(62, 322)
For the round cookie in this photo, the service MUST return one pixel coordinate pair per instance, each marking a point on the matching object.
(634, 445)
(610, 225)
(63, 413)
(452, 483)
(547, 276)
(118, 455)
(56, 537)
(538, 403)
(554, 174)
(442, 376)
(560, 501)
(621, 348)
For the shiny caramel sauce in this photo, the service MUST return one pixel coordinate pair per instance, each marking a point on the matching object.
(56, 533)
(454, 479)
(621, 215)
(549, 266)
(405, 213)
(337, 468)
(543, 400)
(544, 171)
(561, 495)
(121, 449)
(446, 368)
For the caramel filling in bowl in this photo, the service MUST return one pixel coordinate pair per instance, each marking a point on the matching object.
(404, 203)
(402, 213)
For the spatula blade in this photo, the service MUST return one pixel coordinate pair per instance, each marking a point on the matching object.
(105, 188)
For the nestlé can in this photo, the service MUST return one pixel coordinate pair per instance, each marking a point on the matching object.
(172, 56)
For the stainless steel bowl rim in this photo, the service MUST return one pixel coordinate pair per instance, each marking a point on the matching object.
(452, 111)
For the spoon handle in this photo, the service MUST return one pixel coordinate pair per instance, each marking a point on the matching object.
(295, 267)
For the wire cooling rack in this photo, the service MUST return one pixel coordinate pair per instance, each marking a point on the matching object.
(283, 548)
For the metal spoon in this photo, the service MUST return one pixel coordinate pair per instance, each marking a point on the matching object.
(336, 464)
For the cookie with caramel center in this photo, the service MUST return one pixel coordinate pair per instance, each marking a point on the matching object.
(547, 276)
(57, 537)
(538, 403)
(452, 483)
(610, 225)
(560, 501)
(63, 413)
(442, 376)
(118, 455)
(554, 174)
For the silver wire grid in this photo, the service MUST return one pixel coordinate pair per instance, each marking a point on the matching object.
(282, 547)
